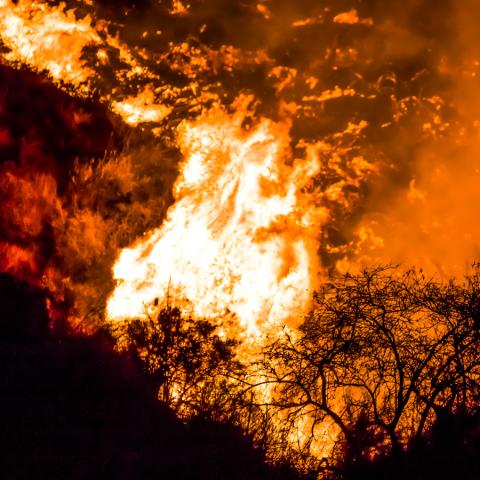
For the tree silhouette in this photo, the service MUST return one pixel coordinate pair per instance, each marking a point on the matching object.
(381, 356)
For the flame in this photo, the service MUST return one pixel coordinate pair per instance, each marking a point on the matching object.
(47, 38)
(141, 108)
(242, 240)
(54, 39)
(178, 8)
(351, 18)
(241, 236)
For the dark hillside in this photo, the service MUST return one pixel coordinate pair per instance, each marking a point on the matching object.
(72, 408)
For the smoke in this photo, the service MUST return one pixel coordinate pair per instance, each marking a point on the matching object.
(431, 219)
(385, 94)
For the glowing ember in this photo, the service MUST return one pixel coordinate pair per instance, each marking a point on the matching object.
(141, 108)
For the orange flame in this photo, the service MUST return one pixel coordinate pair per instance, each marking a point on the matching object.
(242, 234)
(63, 38)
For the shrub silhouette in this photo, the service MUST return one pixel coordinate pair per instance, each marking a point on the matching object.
(186, 358)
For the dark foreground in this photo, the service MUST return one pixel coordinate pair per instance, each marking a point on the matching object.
(72, 408)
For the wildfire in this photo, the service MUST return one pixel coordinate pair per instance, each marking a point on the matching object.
(277, 147)
(142, 108)
(242, 235)
(62, 35)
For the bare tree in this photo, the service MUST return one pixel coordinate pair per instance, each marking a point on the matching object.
(384, 350)
(380, 357)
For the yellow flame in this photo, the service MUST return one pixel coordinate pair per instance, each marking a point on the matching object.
(240, 237)
(53, 39)
(47, 38)
(351, 18)
(141, 108)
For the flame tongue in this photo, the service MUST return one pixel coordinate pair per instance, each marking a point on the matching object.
(47, 38)
(238, 238)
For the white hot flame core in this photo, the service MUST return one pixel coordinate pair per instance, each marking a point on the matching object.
(238, 238)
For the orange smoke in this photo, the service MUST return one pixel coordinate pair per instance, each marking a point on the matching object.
(431, 219)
